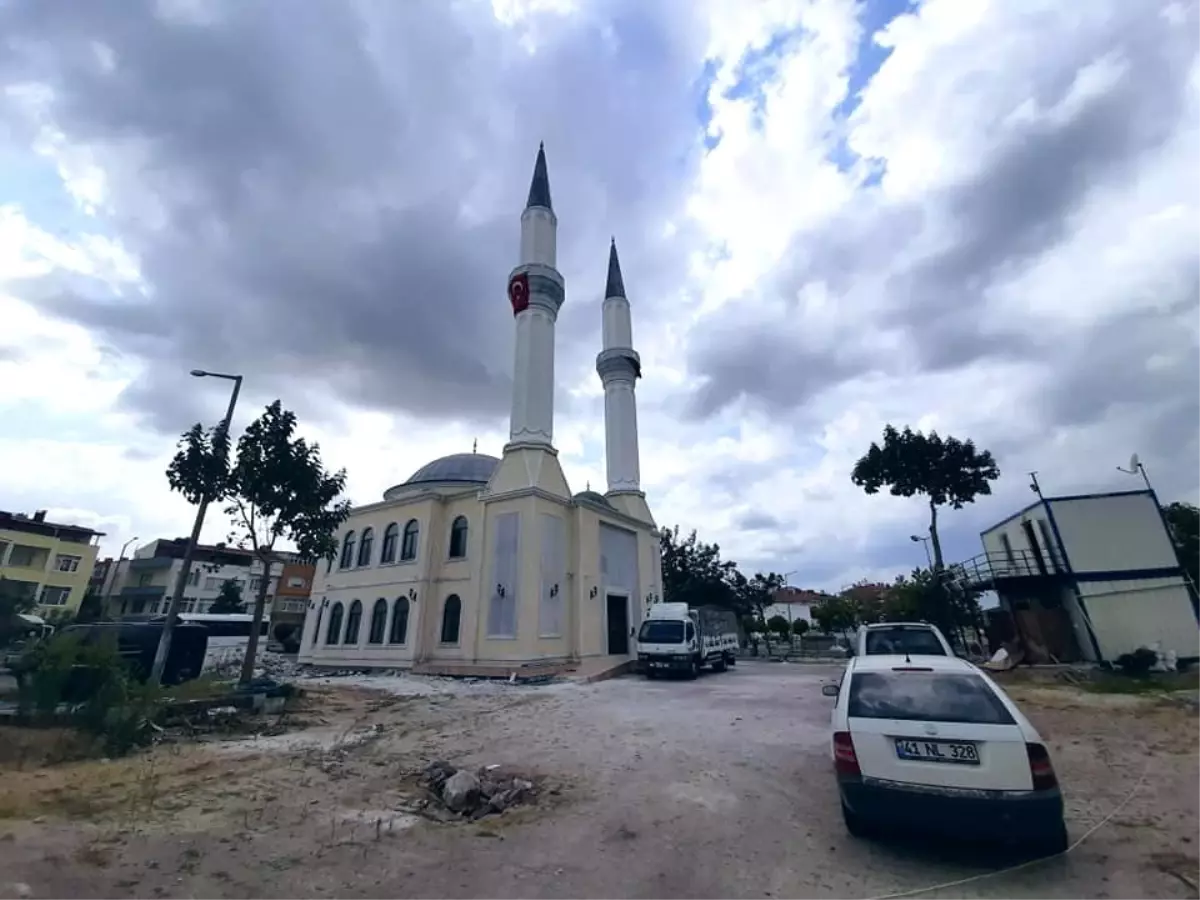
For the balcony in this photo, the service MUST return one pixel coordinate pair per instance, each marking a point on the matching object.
(150, 563)
(145, 592)
(995, 570)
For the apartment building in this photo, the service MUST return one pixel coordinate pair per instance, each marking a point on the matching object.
(50, 562)
(292, 594)
(143, 583)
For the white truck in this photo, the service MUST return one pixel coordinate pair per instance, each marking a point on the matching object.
(676, 639)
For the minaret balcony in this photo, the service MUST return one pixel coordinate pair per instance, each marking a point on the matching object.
(618, 362)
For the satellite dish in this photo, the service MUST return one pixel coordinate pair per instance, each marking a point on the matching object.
(1134, 462)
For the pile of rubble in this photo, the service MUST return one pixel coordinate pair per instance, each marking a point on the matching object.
(455, 794)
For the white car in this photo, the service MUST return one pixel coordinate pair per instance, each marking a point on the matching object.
(898, 638)
(931, 742)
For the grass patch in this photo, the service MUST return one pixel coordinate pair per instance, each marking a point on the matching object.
(1151, 683)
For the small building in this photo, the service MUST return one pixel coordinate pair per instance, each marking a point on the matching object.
(49, 562)
(143, 583)
(1088, 577)
(292, 593)
(794, 604)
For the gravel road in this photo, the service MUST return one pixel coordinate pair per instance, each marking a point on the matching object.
(719, 787)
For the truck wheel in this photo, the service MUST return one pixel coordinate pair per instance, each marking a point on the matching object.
(731, 660)
(651, 674)
(693, 671)
(719, 665)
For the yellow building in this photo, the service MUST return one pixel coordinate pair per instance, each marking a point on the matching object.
(47, 561)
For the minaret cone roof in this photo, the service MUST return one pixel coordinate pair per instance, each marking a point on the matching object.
(539, 188)
(616, 284)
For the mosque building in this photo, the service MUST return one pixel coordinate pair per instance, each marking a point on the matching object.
(479, 564)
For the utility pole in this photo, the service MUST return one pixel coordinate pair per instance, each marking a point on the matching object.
(164, 641)
(112, 582)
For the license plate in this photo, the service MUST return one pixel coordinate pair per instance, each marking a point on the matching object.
(959, 752)
(655, 665)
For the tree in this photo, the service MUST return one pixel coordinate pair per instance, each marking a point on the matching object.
(755, 594)
(800, 627)
(91, 607)
(278, 488)
(780, 625)
(946, 471)
(229, 599)
(834, 614)
(13, 602)
(694, 573)
(1183, 523)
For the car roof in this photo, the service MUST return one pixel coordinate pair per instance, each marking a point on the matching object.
(872, 626)
(885, 662)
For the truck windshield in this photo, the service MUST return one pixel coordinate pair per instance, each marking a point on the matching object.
(661, 631)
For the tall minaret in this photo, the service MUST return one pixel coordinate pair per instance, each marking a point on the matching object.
(619, 368)
(535, 290)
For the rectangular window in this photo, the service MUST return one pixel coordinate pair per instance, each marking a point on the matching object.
(145, 579)
(22, 556)
(554, 576)
(254, 584)
(296, 582)
(926, 697)
(55, 596)
(1048, 540)
(66, 563)
(504, 586)
(1008, 550)
(212, 583)
(193, 578)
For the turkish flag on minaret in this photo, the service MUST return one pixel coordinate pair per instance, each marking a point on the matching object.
(518, 292)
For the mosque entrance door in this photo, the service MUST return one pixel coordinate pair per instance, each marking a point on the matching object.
(618, 624)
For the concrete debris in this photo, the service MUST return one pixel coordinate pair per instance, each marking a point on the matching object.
(455, 795)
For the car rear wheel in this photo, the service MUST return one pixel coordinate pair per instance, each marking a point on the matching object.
(855, 824)
(1054, 843)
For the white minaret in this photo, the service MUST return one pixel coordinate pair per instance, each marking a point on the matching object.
(619, 368)
(535, 289)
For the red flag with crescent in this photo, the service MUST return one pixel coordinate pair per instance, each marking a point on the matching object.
(518, 292)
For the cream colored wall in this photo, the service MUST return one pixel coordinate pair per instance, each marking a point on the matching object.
(1126, 615)
(46, 574)
(457, 576)
(589, 611)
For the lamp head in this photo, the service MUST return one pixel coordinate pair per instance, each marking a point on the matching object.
(198, 373)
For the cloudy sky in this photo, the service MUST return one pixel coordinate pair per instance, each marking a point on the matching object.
(979, 217)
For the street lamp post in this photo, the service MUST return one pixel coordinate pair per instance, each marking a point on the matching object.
(112, 582)
(164, 642)
(925, 543)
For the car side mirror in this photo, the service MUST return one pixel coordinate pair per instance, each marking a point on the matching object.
(830, 690)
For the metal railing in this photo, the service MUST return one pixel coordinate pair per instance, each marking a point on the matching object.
(984, 570)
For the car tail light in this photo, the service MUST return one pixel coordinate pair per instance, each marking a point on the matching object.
(1041, 768)
(844, 760)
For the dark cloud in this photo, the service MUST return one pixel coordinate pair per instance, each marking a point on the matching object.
(326, 198)
(758, 520)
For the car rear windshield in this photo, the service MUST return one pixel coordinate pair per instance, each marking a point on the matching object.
(661, 631)
(926, 697)
(903, 640)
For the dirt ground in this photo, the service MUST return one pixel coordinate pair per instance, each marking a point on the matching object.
(719, 787)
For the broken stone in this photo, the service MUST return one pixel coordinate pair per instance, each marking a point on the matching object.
(437, 773)
(461, 791)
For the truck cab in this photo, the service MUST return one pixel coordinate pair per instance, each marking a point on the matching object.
(674, 639)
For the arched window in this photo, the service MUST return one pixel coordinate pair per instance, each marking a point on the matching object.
(333, 628)
(378, 622)
(353, 620)
(408, 549)
(364, 546)
(451, 613)
(391, 535)
(347, 559)
(399, 632)
(458, 538)
(317, 626)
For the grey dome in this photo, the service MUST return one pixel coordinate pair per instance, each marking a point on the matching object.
(466, 468)
(594, 497)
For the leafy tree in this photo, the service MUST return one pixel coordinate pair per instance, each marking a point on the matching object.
(1183, 522)
(780, 625)
(930, 596)
(229, 599)
(946, 471)
(278, 488)
(91, 607)
(757, 593)
(800, 627)
(694, 573)
(13, 602)
(835, 614)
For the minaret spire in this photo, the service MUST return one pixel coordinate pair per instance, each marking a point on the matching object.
(619, 368)
(616, 284)
(539, 187)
